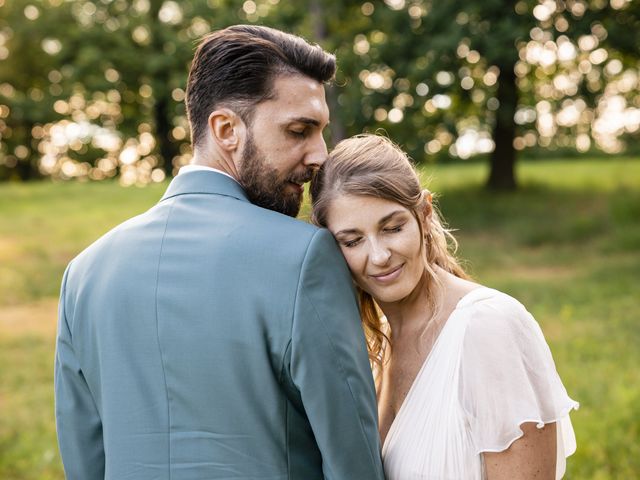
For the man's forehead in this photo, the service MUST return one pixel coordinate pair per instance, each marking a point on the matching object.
(298, 87)
(298, 98)
(299, 79)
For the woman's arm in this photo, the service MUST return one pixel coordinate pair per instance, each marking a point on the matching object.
(532, 456)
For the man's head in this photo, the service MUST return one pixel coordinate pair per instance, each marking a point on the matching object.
(256, 97)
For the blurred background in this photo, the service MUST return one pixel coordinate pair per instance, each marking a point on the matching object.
(522, 116)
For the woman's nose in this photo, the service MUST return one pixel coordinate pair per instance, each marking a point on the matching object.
(379, 254)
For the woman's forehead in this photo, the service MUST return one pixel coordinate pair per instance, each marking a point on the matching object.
(347, 209)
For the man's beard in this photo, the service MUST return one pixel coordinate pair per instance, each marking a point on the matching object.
(261, 183)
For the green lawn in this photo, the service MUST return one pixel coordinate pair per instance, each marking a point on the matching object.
(567, 245)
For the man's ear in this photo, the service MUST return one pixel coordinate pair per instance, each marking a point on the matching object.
(226, 128)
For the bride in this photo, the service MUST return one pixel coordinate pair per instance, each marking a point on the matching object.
(467, 387)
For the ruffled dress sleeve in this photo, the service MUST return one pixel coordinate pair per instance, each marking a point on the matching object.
(508, 377)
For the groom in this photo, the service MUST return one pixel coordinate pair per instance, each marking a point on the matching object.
(213, 337)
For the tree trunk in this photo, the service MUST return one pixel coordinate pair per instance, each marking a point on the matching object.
(166, 146)
(27, 168)
(336, 126)
(503, 158)
(162, 96)
(24, 169)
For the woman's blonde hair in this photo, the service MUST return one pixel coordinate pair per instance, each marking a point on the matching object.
(373, 166)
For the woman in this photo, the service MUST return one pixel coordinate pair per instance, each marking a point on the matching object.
(467, 388)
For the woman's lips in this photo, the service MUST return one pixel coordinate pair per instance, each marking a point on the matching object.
(389, 275)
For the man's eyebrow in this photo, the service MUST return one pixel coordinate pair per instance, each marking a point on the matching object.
(305, 120)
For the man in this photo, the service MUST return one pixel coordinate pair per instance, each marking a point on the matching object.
(214, 337)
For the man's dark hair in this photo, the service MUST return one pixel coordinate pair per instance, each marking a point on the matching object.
(236, 68)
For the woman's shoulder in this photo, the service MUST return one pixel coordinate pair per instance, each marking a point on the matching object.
(485, 298)
(507, 373)
(493, 317)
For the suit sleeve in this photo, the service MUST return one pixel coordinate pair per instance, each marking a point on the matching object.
(78, 423)
(330, 366)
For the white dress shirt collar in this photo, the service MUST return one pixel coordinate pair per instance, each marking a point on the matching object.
(194, 168)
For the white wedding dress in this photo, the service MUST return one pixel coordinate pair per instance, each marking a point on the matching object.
(489, 371)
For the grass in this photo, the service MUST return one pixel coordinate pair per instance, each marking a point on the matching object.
(42, 226)
(567, 245)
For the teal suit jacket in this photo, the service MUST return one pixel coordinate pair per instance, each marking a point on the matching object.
(209, 338)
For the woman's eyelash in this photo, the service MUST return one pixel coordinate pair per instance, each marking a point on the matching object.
(395, 229)
(351, 243)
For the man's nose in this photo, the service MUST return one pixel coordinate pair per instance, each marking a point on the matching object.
(317, 153)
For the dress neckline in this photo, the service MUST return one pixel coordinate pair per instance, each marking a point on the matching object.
(466, 299)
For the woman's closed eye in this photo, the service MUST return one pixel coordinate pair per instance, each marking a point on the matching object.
(352, 242)
(394, 229)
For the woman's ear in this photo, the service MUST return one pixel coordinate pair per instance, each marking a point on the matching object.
(226, 128)
(427, 205)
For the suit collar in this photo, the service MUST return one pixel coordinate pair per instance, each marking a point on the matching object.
(205, 182)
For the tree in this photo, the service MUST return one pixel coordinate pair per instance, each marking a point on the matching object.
(441, 78)
(118, 69)
(140, 52)
(531, 74)
(29, 83)
(446, 74)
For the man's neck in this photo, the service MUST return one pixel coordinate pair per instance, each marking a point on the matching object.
(222, 165)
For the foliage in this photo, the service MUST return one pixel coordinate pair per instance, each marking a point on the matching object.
(28, 88)
(94, 88)
(495, 76)
(117, 72)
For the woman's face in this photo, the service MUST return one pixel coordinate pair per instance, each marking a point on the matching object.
(381, 242)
